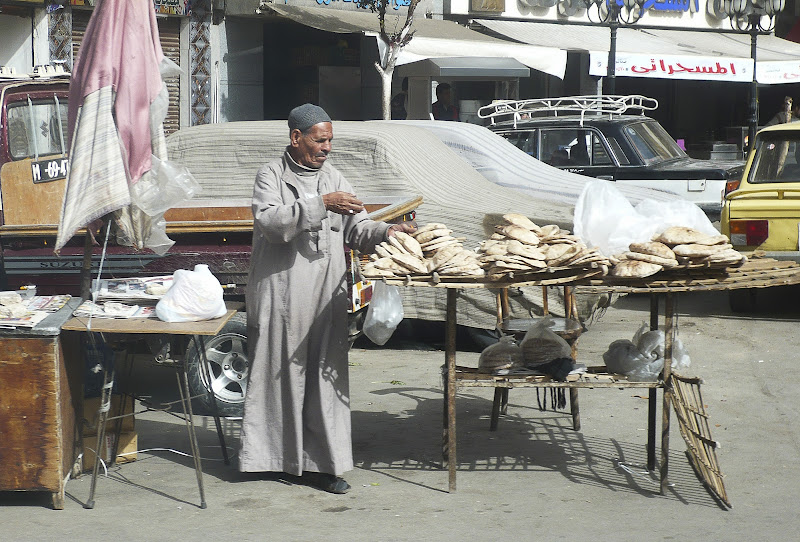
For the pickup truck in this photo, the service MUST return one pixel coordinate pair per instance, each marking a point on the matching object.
(210, 229)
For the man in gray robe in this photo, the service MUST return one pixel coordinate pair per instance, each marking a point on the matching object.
(297, 407)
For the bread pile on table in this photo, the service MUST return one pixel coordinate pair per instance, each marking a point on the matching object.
(519, 246)
(430, 249)
(676, 247)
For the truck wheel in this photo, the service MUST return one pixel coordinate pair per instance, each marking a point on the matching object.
(228, 367)
(743, 300)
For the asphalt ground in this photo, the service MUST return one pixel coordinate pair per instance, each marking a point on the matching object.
(533, 479)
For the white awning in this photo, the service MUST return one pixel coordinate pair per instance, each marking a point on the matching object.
(665, 54)
(433, 38)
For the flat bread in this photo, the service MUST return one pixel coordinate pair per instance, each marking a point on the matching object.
(520, 234)
(720, 239)
(653, 248)
(694, 250)
(680, 235)
(521, 249)
(571, 252)
(521, 220)
(553, 252)
(382, 251)
(428, 227)
(650, 258)
(635, 269)
(411, 262)
(497, 248)
(409, 243)
(430, 235)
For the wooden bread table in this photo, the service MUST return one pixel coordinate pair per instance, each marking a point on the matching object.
(129, 330)
(757, 273)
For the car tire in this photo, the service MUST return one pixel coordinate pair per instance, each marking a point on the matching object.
(228, 367)
(743, 300)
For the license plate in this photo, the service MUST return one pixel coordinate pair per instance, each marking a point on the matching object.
(45, 171)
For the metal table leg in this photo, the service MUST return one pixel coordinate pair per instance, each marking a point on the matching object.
(200, 344)
(183, 388)
(669, 332)
(652, 400)
(105, 406)
(450, 388)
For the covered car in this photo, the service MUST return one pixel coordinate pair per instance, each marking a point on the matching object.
(396, 158)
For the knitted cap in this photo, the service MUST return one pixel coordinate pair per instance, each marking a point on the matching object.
(305, 116)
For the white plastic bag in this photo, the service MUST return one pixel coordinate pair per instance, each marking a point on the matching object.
(194, 295)
(384, 313)
(504, 354)
(605, 219)
(642, 359)
(166, 185)
(542, 345)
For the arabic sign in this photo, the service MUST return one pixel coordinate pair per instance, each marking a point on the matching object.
(696, 68)
(776, 73)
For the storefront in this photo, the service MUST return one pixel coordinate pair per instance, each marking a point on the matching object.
(327, 55)
(685, 54)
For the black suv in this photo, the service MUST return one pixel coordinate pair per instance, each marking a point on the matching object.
(597, 136)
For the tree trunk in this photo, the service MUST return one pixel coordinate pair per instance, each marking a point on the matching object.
(386, 90)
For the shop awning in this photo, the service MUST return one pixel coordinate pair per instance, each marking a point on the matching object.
(665, 54)
(467, 67)
(433, 38)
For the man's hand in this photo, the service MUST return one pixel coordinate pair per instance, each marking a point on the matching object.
(408, 227)
(342, 203)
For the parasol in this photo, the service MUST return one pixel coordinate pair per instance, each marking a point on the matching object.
(116, 109)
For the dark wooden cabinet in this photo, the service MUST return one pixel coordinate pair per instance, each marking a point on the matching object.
(40, 398)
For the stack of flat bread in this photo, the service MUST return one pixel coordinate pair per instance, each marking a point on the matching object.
(519, 246)
(676, 247)
(430, 249)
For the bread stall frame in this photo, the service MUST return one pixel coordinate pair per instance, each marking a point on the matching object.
(679, 392)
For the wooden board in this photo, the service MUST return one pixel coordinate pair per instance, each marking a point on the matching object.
(148, 325)
(26, 203)
(593, 378)
(39, 406)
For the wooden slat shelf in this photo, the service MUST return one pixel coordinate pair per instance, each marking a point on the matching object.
(593, 378)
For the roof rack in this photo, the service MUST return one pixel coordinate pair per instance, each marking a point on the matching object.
(42, 71)
(599, 104)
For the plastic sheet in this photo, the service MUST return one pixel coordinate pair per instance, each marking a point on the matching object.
(605, 219)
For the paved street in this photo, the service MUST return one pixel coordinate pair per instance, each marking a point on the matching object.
(535, 478)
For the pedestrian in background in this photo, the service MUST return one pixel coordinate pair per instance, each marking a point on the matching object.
(442, 108)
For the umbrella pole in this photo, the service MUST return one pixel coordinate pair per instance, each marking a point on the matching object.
(86, 268)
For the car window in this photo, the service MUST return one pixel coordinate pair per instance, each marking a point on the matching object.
(777, 160)
(38, 127)
(600, 155)
(557, 144)
(652, 142)
(525, 141)
(621, 156)
(587, 150)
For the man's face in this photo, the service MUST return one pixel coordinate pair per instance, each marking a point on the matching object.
(311, 150)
